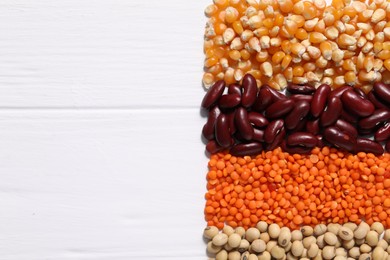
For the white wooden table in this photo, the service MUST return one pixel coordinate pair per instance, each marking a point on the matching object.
(100, 147)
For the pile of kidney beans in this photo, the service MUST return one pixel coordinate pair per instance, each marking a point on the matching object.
(246, 119)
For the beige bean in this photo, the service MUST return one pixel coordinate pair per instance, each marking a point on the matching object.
(240, 231)
(341, 251)
(284, 237)
(330, 238)
(244, 246)
(234, 255)
(252, 257)
(270, 245)
(386, 236)
(307, 231)
(222, 255)
(288, 247)
(297, 248)
(350, 225)
(245, 256)
(258, 246)
(361, 230)
(354, 252)
(262, 226)
(321, 242)
(382, 243)
(318, 256)
(365, 248)
(228, 230)
(378, 253)
(252, 234)
(333, 228)
(307, 241)
(348, 244)
(290, 256)
(278, 252)
(296, 235)
(360, 242)
(227, 247)
(372, 238)
(220, 239)
(345, 233)
(340, 257)
(264, 256)
(320, 229)
(234, 240)
(328, 252)
(274, 230)
(378, 227)
(365, 256)
(210, 232)
(213, 249)
(265, 237)
(313, 250)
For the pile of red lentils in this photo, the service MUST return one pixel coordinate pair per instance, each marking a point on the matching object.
(298, 129)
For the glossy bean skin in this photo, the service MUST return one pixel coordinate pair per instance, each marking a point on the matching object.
(246, 149)
(294, 149)
(279, 108)
(278, 139)
(213, 147)
(234, 89)
(232, 125)
(319, 100)
(229, 101)
(313, 126)
(209, 127)
(243, 124)
(320, 141)
(383, 91)
(213, 94)
(366, 131)
(368, 146)
(300, 89)
(332, 112)
(349, 116)
(264, 99)
(222, 134)
(276, 95)
(387, 146)
(380, 115)
(302, 139)
(340, 139)
(258, 135)
(360, 92)
(300, 111)
(357, 104)
(300, 126)
(339, 91)
(249, 92)
(383, 133)
(301, 97)
(272, 130)
(378, 103)
(345, 126)
(257, 119)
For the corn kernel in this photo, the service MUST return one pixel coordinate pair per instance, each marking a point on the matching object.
(314, 52)
(320, 26)
(235, 55)
(286, 62)
(231, 14)
(236, 44)
(286, 6)
(316, 37)
(339, 81)
(367, 47)
(262, 56)
(298, 49)
(378, 15)
(384, 54)
(386, 45)
(350, 78)
(255, 22)
(368, 63)
(254, 44)
(286, 46)
(386, 63)
(346, 40)
(361, 42)
(288, 74)
(309, 66)
(331, 33)
(210, 62)
(280, 79)
(298, 7)
(378, 65)
(300, 80)
(301, 34)
(229, 76)
(274, 31)
(278, 57)
(379, 37)
(245, 54)
(291, 27)
(208, 80)
(326, 50)
(310, 24)
(319, 4)
(266, 69)
(337, 55)
(238, 75)
(370, 35)
(237, 27)
(321, 62)
(298, 19)
(298, 71)
(250, 11)
(309, 11)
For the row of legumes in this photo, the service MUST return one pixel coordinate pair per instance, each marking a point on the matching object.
(285, 167)
(281, 41)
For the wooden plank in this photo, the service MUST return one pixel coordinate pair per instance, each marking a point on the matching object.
(102, 184)
(97, 53)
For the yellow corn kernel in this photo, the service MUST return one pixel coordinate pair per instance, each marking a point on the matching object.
(346, 40)
(220, 76)
(378, 15)
(211, 10)
(338, 4)
(250, 11)
(286, 6)
(301, 34)
(274, 31)
(231, 14)
(384, 54)
(368, 63)
(329, 19)
(367, 47)
(310, 24)
(210, 62)
(300, 80)
(215, 69)
(350, 78)
(208, 80)
(278, 57)
(309, 66)
(228, 35)
(365, 15)
(349, 54)
(281, 80)
(266, 69)
(273, 84)
(319, 4)
(245, 55)
(235, 55)
(321, 62)
(326, 50)
(386, 45)
(331, 33)
(380, 26)
(268, 23)
(244, 65)
(327, 80)
(236, 44)
(229, 76)
(286, 62)
(350, 11)
(379, 37)
(386, 63)
(311, 77)
(255, 22)
(288, 74)
(378, 65)
(370, 35)
(298, 49)
(255, 73)
(269, 11)
(329, 72)
(262, 31)
(316, 37)
(298, 7)
(377, 47)
(237, 27)
(254, 44)
(350, 29)
(275, 42)
(278, 20)
(238, 75)
(309, 10)
(339, 81)
(291, 27)
(337, 55)
(298, 71)
(386, 31)
(224, 63)
(361, 41)
(262, 56)
(286, 46)
(298, 19)
(320, 26)
(277, 69)
(221, 3)
(358, 6)
(314, 52)
(371, 76)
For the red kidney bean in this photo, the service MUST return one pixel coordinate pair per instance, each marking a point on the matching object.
(345, 126)
(294, 149)
(320, 141)
(277, 141)
(246, 149)
(279, 108)
(313, 126)
(378, 103)
(301, 97)
(300, 89)
(257, 119)
(301, 126)
(302, 139)
(383, 133)
(332, 112)
(222, 134)
(209, 127)
(249, 92)
(365, 131)
(232, 125)
(380, 115)
(349, 116)
(360, 92)
(319, 99)
(387, 146)
(258, 135)
(243, 124)
(229, 101)
(300, 111)
(357, 104)
(213, 147)
(213, 94)
(339, 139)
(338, 92)
(368, 146)
(276, 95)
(234, 89)
(383, 91)
(264, 99)
(273, 130)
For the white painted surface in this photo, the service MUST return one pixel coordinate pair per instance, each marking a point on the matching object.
(100, 149)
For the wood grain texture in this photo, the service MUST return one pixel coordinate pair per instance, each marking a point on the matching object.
(97, 53)
(101, 185)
